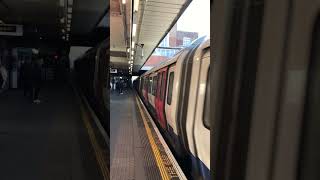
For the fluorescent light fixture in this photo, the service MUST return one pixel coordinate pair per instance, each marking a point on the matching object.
(132, 46)
(69, 16)
(136, 5)
(134, 29)
(62, 30)
(68, 28)
(123, 1)
(69, 9)
(62, 20)
(70, 2)
(132, 57)
(69, 21)
(68, 25)
(132, 52)
(128, 49)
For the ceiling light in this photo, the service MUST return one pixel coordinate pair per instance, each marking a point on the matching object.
(63, 37)
(68, 28)
(62, 30)
(128, 49)
(136, 5)
(134, 29)
(69, 21)
(68, 25)
(123, 1)
(69, 9)
(70, 2)
(132, 57)
(132, 46)
(132, 53)
(69, 16)
(62, 20)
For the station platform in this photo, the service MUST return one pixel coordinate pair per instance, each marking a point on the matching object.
(137, 149)
(47, 140)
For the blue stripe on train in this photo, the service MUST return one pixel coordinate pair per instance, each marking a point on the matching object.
(204, 170)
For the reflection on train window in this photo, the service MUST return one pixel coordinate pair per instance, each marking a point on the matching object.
(206, 113)
(154, 88)
(310, 147)
(170, 87)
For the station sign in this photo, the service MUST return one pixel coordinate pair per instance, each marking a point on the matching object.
(113, 71)
(11, 30)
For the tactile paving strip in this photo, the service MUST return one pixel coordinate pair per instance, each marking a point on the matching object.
(169, 170)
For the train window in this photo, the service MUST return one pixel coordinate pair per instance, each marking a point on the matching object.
(310, 147)
(160, 82)
(163, 90)
(206, 113)
(154, 88)
(150, 85)
(170, 87)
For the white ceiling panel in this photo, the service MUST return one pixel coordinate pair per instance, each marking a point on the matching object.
(155, 19)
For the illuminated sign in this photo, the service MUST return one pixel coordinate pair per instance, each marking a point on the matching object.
(11, 30)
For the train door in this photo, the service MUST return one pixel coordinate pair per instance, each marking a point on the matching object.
(202, 119)
(153, 90)
(146, 88)
(162, 77)
(150, 86)
(169, 108)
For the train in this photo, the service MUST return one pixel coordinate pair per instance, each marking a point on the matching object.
(92, 78)
(177, 95)
(266, 90)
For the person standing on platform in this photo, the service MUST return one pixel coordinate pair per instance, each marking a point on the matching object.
(113, 84)
(4, 77)
(36, 79)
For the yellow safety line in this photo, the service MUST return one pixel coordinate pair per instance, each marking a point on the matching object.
(97, 149)
(154, 147)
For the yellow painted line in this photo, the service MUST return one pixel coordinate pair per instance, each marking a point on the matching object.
(154, 147)
(97, 149)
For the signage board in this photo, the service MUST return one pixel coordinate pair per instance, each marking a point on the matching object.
(11, 30)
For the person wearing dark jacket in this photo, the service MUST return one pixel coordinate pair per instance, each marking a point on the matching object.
(36, 80)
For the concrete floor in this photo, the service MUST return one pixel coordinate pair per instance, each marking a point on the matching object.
(45, 141)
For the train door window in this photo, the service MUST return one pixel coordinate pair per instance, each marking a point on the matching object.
(170, 87)
(163, 85)
(160, 83)
(206, 114)
(150, 85)
(154, 88)
(310, 147)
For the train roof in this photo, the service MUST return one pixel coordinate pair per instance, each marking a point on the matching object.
(194, 44)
